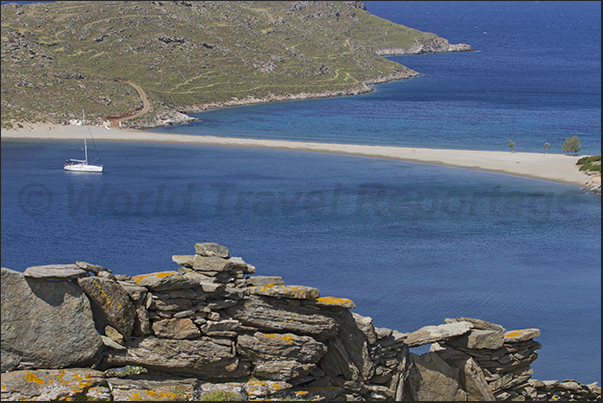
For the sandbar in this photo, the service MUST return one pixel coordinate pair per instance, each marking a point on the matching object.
(553, 167)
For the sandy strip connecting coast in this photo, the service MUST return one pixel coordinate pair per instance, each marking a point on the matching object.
(554, 167)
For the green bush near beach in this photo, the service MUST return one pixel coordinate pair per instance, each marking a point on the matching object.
(590, 163)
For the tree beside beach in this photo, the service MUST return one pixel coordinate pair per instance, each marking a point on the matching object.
(572, 145)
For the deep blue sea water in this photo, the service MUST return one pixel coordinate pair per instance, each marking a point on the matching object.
(410, 244)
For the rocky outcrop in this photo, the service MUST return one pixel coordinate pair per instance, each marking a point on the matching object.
(45, 323)
(431, 44)
(212, 326)
(593, 183)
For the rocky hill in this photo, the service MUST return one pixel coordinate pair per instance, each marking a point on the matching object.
(59, 58)
(213, 329)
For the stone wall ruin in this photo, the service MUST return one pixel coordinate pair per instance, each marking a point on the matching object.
(80, 332)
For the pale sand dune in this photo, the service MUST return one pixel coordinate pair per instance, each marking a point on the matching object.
(554, 167)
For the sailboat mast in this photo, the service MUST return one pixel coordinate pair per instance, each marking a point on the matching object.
(85, 145)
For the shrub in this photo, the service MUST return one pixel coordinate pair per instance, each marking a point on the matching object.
(590, 163)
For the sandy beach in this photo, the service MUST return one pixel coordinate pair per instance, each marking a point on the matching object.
(553, 167)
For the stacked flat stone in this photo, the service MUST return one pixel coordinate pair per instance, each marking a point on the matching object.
(212, 264)
(568, 389)
(211, 326)
(389, 353)
(504, 357)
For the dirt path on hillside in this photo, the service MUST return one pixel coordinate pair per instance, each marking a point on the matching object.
(146, 105)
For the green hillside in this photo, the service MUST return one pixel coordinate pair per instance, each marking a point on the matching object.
(59, 58)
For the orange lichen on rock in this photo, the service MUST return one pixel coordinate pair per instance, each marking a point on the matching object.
(152, 395)
(343, 302)
(515, 333)
(284, 337)
(31, 377)
(333, 300)
(162, 274)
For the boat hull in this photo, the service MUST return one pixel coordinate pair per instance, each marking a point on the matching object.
(83, 168)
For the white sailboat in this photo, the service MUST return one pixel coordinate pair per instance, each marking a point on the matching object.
(82, 165)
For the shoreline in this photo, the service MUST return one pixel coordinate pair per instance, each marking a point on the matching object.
(559, 168)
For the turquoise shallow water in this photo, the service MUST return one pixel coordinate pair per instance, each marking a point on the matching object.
(528, 82)
(410, 244)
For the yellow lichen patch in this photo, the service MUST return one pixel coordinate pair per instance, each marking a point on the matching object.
(158, 395)
(283, 337)
(334, 300)
(515, 333)
(31, 377)
(136, 396)
(162, 274)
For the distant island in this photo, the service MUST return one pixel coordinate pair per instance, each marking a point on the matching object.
(147, 64)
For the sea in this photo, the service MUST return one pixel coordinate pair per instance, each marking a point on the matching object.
(411, 244)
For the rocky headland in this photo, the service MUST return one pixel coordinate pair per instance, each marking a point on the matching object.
(79, 332)
(183, 56)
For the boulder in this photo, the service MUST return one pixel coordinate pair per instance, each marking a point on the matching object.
(280, 356)
(285, 291)
(45, 324)
(208, 264)
(434, 334)
(337, 362)
(111, 343)
(228, 325)
(274, 315)
(356, 345)
(514, 336)
(56, 272)
(184, 260)
(177, 389)
(141, 298)
(281, 370)
(262, 389)
(112, 333)
(264, 281)
(477, 323)
(211, 249)
(51, 384)
(285, 346)
(382, 332)
(478, 339)
(111, 305)
(178, 329)
(471, 376)
(239, 264)
(93, 268)
(171, 304)
(203, 357)
(135, 291)
(432, 379)
(366, 325)
(190, 273)
(335, 302)
(164, 281)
